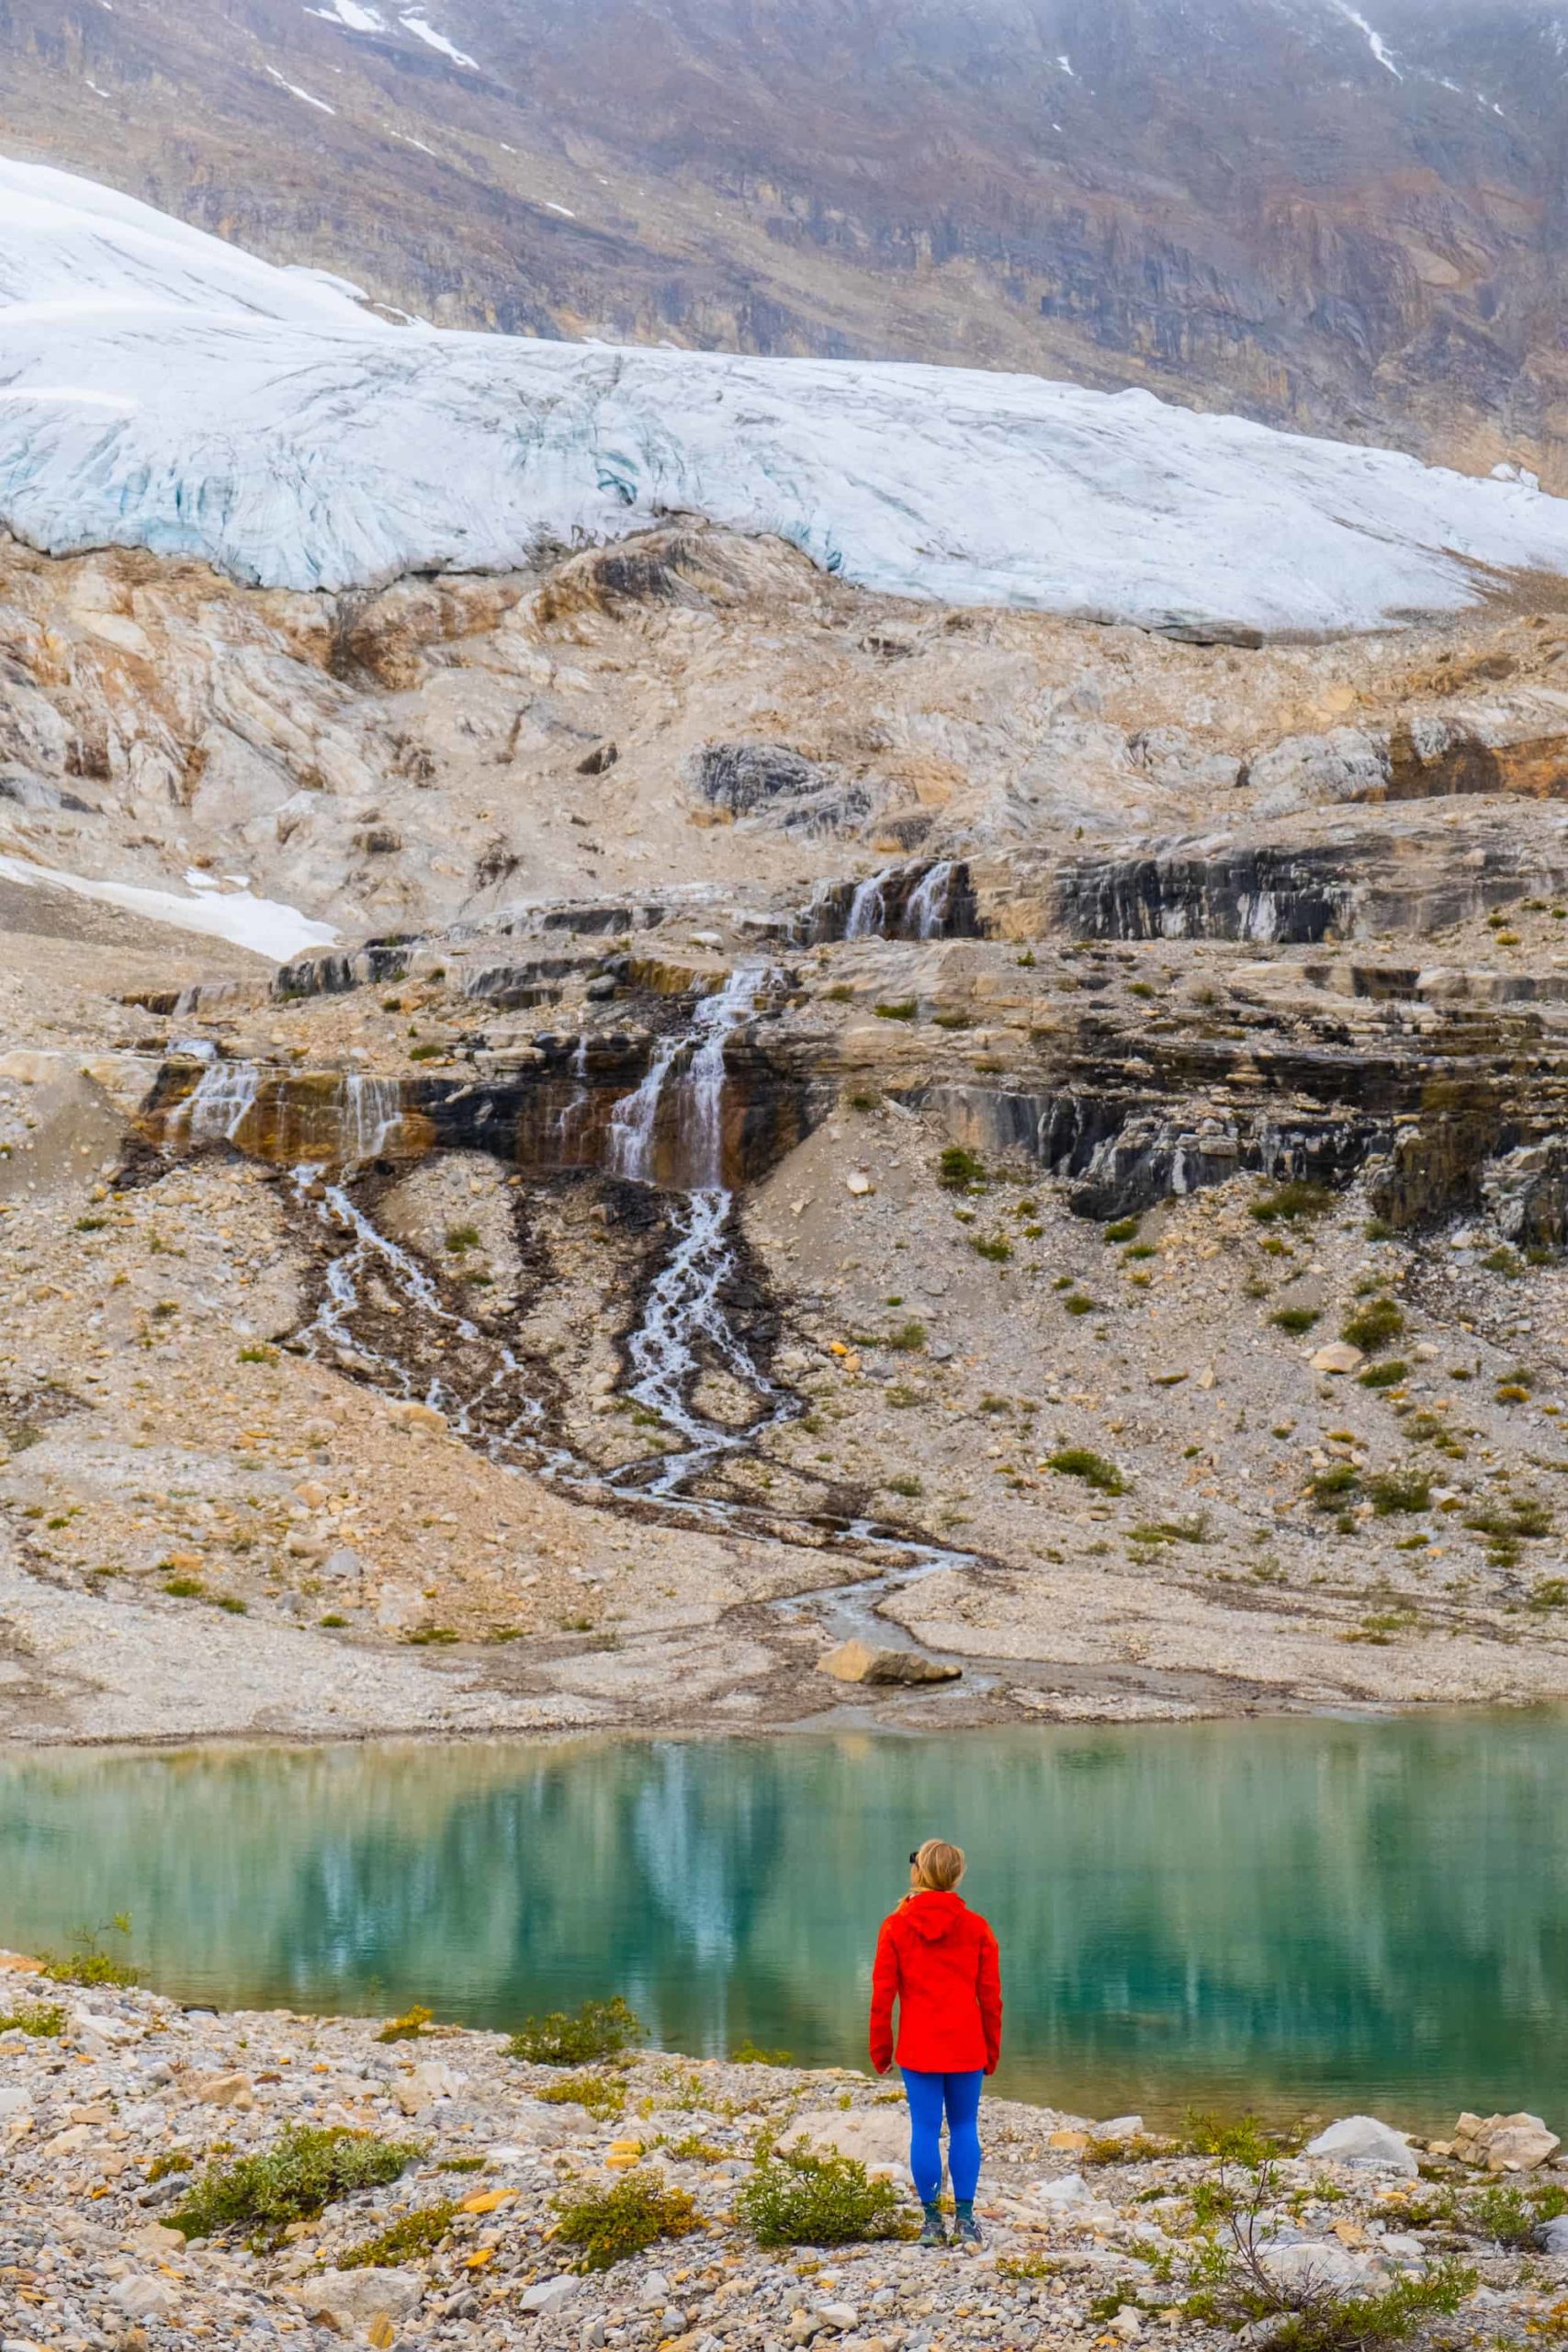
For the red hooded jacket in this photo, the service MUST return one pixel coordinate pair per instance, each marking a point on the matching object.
(940, 1961)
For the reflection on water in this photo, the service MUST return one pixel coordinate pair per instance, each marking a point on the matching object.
(1310, 1914)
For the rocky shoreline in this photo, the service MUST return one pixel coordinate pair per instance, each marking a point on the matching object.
(117, 2104)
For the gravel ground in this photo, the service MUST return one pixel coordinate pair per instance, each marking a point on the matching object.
(1090, 2232)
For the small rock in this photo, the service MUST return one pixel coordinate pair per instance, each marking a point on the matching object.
(235, 2090)
(1553, 2236)
(1069, 2190)
(1337, 1356)
(549, 2294)
(655, 2288)
(152, 2238)
(1363, 2140)
(858, 1662)
(353, 2300)
(1312, 2268)
(143, 2298)
(836, 2315)
(1122, 2127)
(859, 1184)
(1126, 2323)
(407, 1415)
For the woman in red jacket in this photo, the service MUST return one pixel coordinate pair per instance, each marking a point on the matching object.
(939, 1961)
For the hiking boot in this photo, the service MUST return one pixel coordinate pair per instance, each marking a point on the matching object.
(932, 2232)
(967, 2231)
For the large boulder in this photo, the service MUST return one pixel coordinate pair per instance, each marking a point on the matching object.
(1363, 2140)
(1504, 2143)
(877, 2137)
(858, 1662)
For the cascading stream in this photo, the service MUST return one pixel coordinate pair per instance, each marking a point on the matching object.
(675, 1116)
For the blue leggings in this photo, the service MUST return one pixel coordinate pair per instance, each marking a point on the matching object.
(928, 2094)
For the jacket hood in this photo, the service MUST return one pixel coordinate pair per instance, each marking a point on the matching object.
(934, 1916)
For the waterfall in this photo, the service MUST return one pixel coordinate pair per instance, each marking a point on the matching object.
(867, 918)
(219, 1106)
(372, 1113)
(925, 916)
(697, 1091)
(629, 1145)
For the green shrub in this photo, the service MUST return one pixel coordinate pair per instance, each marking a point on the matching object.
(1290, 1203)
(611, 2224)
(294, 2180)
(601, 2095)
(1511, 2216)
(408, 2239)
(908, 1339)
(904, 1010)
(793, 2198)
(185, 1587)
(1331, 1488)
(599, 2029)
(1124, 1229)
(1295, 1319)
(1387, 1375)
(747, 2055)
(957, 1170)
(910, 1487)
(1078, 1462)
(992, 1246)
(408, 2028)
(840, 993)
(1078, 1305)
(462, 1237)
(1399, 1490)
(87, 1962)
(1373, 1326)
(41, 2021)
(1550, 1593)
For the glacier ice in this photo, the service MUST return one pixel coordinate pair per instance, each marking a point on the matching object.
(160, 389)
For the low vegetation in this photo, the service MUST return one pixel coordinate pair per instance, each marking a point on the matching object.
(610, 2225)
(1079, 1462)
(1373, 1326)
(599, 2029)
(795, 2199)
(408, 2239)
(408, 2028)
(601, 2095)
(294, 2180)
(40, 2020)
(87, 1961)
(1293, 1203)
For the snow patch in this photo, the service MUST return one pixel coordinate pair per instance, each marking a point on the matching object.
(159, 389)
(352, 15)
(296, 92)
(562, 209)
(426, 32)
(1374, 40)
(263, 925)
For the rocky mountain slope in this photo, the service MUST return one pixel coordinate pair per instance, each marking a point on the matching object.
(582, 1143)
(1288, 209)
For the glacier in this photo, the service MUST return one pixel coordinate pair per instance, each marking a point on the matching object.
(160, 389)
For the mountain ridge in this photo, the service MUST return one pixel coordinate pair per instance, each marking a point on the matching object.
(1281, 207)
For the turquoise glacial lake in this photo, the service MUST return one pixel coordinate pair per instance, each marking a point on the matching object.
(1301, 1917)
